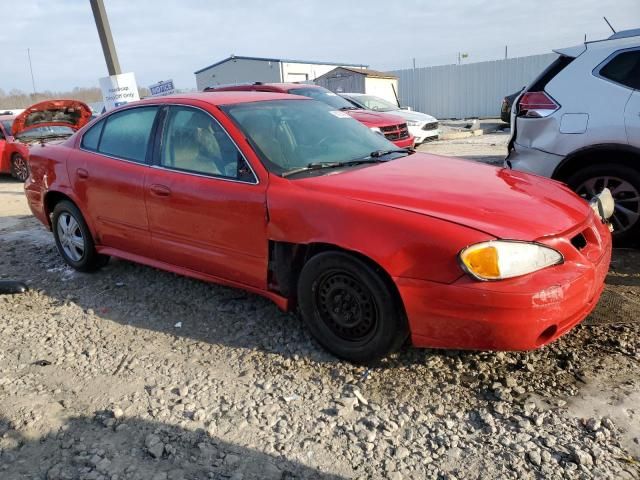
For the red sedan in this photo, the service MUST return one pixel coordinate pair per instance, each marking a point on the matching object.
(291, 199)
(13, 154)
(43, 122)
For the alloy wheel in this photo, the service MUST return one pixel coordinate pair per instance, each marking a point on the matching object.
(70, 236)
(20, 168)
(627, 208)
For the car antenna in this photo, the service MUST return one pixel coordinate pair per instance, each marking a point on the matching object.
(612, 29)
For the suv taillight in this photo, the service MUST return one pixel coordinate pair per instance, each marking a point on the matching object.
(536, 105)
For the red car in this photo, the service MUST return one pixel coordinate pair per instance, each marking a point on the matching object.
(13, 154)
(393, 128)
(291, 199)
(43, 122)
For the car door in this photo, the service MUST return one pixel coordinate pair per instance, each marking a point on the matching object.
(107, 173)
(3, 146)
(623, 68)
(632, 119)
(206, 207)
(5, 165)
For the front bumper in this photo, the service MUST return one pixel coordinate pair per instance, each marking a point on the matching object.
(517, 314)
(408, 142)
(531, 160)
(421, 135)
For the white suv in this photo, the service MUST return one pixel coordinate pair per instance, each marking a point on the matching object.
(579, 122)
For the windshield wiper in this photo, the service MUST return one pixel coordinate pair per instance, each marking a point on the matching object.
(349, 108)
(382, 153)
(325, 165)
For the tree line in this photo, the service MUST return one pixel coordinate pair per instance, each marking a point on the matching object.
(19, 99)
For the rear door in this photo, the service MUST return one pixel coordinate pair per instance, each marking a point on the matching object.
(108, 172)
(206, 207)
(632, 119)
(623, 68)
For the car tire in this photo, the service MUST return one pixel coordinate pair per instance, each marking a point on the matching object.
(624, 183)
(19, 167)
(349, 308)
(73, 238)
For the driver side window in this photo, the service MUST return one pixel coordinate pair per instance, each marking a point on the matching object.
(194, 142)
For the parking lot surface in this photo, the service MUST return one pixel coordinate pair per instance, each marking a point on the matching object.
(490, 148)
(135, 373)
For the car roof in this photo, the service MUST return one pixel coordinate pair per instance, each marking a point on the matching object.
(224, 98)
(274, 87)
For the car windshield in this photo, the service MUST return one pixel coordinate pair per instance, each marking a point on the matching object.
(7, 126)
(292, 134)
(41, 132)
(325, 96)
(376, 103)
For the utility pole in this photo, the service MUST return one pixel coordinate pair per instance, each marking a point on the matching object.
(414, 63)
(506, 52)
(104, 32)
(33, 81)
(458, 58)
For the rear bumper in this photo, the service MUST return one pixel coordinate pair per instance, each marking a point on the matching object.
(523, 313)
(531, 160)
(35, 199)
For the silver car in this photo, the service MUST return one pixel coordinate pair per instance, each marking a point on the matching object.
(423, 127)
(579, 122)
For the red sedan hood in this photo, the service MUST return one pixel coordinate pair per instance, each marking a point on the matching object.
(374, 119)
(52, 113)
(500, 202)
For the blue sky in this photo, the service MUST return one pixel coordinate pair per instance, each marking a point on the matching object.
(159, 40)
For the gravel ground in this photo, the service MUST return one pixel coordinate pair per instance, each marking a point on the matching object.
(490, 148)
(134, 373)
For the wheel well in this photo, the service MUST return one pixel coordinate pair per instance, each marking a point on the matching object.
(595, 156)
(286, 261)
(51, 199)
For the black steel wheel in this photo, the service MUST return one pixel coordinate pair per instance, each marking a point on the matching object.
(350, 307)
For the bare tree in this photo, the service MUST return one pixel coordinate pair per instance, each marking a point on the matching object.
(19, 99)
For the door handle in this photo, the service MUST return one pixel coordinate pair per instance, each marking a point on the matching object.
(160, 190)
(82, 173)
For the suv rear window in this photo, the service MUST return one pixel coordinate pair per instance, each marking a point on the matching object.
(549, 73)
(624, 68)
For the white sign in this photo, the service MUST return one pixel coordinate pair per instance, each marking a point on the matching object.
(163, 88)
(118, 90)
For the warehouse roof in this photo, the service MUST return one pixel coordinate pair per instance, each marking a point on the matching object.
(362, 71)
(283, 60)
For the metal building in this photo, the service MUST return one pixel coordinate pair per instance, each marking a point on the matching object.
(471, 90)
(239, 69)
(360, 80)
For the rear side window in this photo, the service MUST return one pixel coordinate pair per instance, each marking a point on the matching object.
(91, 138)
(624, 69)
(126, 134)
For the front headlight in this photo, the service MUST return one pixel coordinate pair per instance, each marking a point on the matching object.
(500, 259)
(411, 123)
